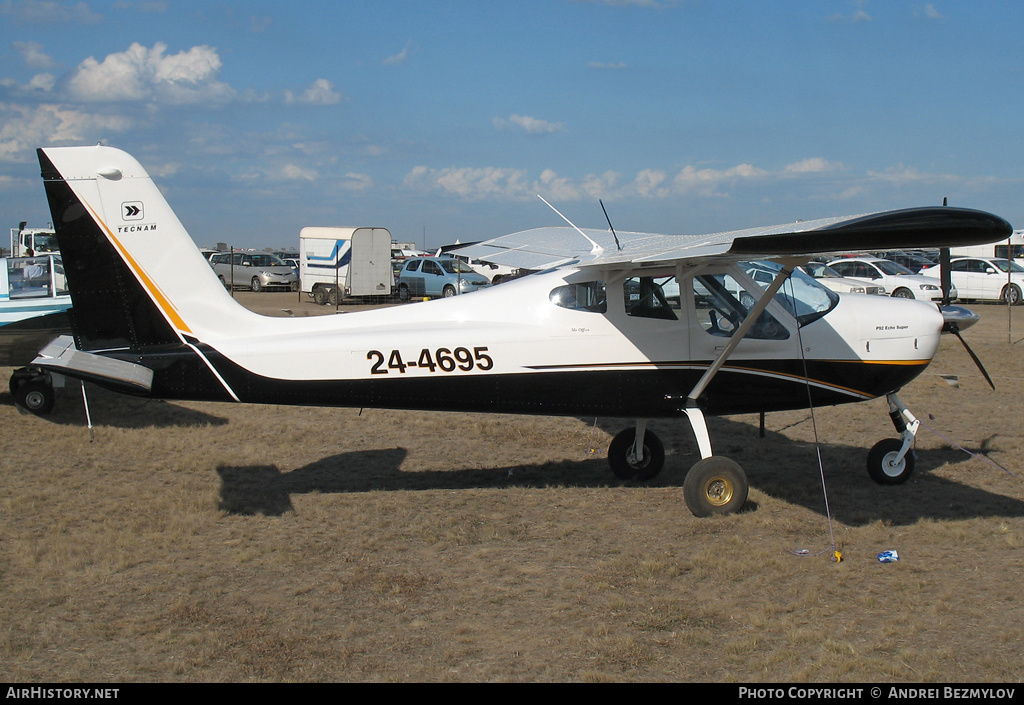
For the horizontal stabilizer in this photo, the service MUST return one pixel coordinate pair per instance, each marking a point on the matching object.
(62, 357)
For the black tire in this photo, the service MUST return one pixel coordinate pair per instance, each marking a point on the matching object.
(648, 467)
(224, 284)
(448, 292)
(880, 465)
(715, 486)
(1011, 295)
(35, 395)
(319, 296)
(332, 297)
(255, 285)
(403, 292)
(903, 293)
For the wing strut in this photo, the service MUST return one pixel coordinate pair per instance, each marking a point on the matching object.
(596, 249)
(693, 410)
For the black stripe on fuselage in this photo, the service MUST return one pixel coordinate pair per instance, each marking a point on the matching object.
(645, 390)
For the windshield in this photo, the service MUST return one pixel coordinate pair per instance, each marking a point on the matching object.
(44, 242)
(1001, 265)
(454, 266)
(821, 271)
(803, 297)
(891, 268)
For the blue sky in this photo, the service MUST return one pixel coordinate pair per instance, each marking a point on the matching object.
(443, 120)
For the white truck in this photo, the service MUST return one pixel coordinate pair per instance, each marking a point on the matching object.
(340, 262)
(1013, 248)
(27, 242)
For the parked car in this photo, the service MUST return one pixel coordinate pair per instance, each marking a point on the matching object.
(985, 279)
(831, 279)
(495, 273)
(897, 279)
(911, 260)
(437, 276)
(254, 270)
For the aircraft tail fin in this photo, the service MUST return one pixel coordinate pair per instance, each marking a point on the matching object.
(136, 278)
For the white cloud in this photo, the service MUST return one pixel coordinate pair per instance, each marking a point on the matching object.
(651, 183)
(706, 182)
(321, 92)
(141, 74)
(607, 67)
(530, 125)
(42, 82)
(858, 15)
(292, 172)
(49, 12)
(901, 175)
(931, 13)
(515, 184)
(33, 55)
(356, 182)
(471, 183)
(23, 128)
(814, 165)
(257, 25)
(401, 57)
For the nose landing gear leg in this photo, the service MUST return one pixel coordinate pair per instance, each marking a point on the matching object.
(891, 460)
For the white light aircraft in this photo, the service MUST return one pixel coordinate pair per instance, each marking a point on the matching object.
(626, 325)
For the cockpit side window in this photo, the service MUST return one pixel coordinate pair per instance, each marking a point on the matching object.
(652, 297)
(584, 296)
(722, 304)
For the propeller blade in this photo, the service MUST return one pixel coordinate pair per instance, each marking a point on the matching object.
(955, 330)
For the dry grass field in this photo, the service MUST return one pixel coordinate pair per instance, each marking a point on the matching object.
(213, 542)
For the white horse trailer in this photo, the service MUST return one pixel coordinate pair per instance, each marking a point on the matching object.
(341, 262)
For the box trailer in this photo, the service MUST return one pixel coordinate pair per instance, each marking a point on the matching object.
(340, 262)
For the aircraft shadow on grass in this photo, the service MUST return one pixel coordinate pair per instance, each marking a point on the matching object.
(119, 411)
(775, 465)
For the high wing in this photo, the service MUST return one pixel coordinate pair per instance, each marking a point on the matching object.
(545, 248)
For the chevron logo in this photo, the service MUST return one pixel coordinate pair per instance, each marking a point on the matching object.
(132, 211)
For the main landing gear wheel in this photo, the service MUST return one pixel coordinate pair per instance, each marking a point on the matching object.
(882, 465)
(715, 485)
(35, 395)
(624, 463)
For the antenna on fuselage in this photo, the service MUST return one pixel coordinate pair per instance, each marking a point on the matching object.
(596, 248)
(617, 245)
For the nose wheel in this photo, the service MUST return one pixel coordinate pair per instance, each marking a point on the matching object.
(891, 460)
(886, 465)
